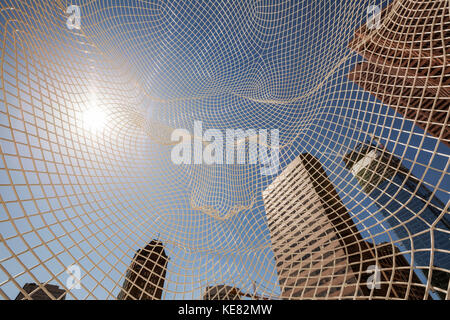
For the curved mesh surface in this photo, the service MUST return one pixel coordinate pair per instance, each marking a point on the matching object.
(358, 208)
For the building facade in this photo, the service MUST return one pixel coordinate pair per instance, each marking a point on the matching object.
(406, 62)
(145, 277)
(222, 292)
(319, 252)
(408, 205)
(35, 292)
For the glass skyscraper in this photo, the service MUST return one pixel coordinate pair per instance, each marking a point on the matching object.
(407, 204)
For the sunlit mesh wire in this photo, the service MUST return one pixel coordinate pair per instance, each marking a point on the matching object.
(357, 210)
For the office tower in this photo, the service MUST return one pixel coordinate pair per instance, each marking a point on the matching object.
(318, 250)
(395, 268)
(404, 62)
(145, 277)
(37, 293)
(407, 204)
(222, 292)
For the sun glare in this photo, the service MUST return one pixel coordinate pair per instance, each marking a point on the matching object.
(94, 118)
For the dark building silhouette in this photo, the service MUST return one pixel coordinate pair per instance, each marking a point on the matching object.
(145, 277)
(404, 62)
(222, 292)
(37, 293)
(319, 252)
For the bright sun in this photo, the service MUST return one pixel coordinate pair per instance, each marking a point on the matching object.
(93, 117)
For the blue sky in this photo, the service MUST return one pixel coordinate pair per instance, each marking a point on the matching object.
(208, 62)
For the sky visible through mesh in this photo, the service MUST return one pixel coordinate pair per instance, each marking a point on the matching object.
(72, 194)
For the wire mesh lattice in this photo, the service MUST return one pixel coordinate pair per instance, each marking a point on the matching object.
(93, 207)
